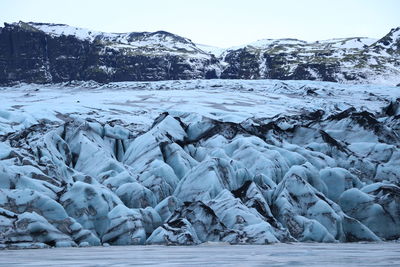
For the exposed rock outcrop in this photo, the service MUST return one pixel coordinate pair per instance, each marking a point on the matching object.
(49, 53)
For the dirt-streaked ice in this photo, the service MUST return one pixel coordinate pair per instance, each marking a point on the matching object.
(188, 162)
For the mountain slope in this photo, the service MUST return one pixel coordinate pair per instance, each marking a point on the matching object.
(347, 60)
(46, 53)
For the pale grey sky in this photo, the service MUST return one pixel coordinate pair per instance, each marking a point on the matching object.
(221, 23)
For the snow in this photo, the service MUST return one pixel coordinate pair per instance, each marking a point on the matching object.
(216, 51)
(377, 65)
(349, 43)
(268, 42)
(264, 43)
(62, 29)
(157, 42)
(227, 100)
(289, 44)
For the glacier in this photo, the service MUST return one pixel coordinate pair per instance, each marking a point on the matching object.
(199, 161)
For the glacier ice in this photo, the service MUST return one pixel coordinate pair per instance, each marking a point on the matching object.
(316, 176)
(376, 206)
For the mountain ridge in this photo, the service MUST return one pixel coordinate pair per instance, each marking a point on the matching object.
(82, 54)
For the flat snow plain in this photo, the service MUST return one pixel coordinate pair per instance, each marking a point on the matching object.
(141, 102)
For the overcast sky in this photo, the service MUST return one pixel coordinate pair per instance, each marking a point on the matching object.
(221, 23)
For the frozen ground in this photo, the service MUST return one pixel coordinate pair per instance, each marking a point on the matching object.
(304, 254)
(142, 102)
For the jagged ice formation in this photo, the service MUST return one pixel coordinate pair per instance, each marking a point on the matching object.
(327, 174)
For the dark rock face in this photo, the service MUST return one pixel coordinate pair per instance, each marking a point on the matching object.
(325, 71)
(242, 65)
(245, 64)
(337, 60)
(30, 55)
(48, 53)
(21, 50)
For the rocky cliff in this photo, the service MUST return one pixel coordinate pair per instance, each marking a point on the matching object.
(48, 53)
(33, 53)
(358, 60)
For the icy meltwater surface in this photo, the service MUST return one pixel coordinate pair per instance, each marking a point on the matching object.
(300, 254)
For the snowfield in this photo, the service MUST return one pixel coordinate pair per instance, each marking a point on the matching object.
(191, 162)
(142, 102)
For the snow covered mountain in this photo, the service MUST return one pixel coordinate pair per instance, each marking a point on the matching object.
(346, 60)
(187, 162)
(46, 53)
